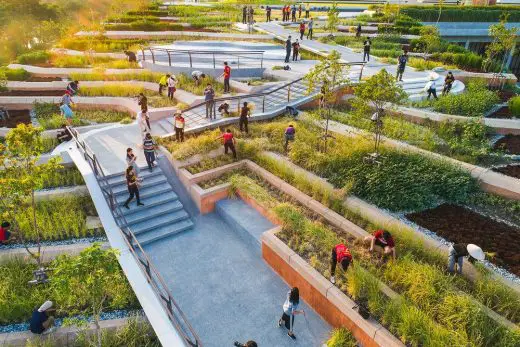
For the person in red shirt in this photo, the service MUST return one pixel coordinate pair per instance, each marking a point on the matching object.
(340, 254)
(302, 30)
(227, 76)
(5, 234)
(383, 239)
(229, 142)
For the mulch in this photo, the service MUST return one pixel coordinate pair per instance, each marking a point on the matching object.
(509, 170)
(33, 92)
(461, 225)
(43, 79)
(509, 143)
(16, 117)
(502, 112)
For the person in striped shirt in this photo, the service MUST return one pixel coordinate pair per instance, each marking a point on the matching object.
(149, 147)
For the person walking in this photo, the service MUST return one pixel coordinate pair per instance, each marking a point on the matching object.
(290, 309)
(133, 187)
(268, 13)
(149, 147)
(289, 136)
(358, 30)
(209, 96)
(131, 160)
(197, 77)
(431, 88)
(383, 239)
(296, 50)
(227, 75)
(293, 13)
(243, 121)
(300, 11)
(144, 123)
(288, 47)
(458, 251)
(179, 123)
(309, 29)
(229, 142)
(244, 15)
(340, 255)
(366, 49)
(163, 82)
(41, 322)
(401, 64)
(73, 87)
(65, 107)
(172, 82)
(448, 82)
(302, 30)
(307, 10)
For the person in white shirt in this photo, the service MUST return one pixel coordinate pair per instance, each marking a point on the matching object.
(197, 76)
(172, 82)
(431, 88)
(143, 124)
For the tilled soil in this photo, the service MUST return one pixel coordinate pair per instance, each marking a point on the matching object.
(43, 79)
(33, 92)
(503, 112)
(458, 224)
(509, 143)
(505, 95)
(16, 117)
(509, 170)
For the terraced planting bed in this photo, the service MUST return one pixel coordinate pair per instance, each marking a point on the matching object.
(58, 92)
(17, 117)
(509, 143)
(502, 113)
(509, 170)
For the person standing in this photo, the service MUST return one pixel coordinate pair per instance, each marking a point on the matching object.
(149, 147)
(300, 11)
(358, 30)
(229, 142)
(307, 10)
(131, 160)
(293, 13)
(163, 82)
(41, 322)
(309, 29)
(179, 124)
(383, 239)
(431, 88)
(65, 107)
(296, 50)
(172, 82)
(302, 30)
(209, 96)
(244, 15)
(366, 49)
(340, 255)
(401, 65)
(133, 187)
(290, 309)
(448, 82)
(458, 251)
(288, 47)
(283, 13)
(289, 135)
(287, 12)
(268, 13)
(243, 121)
(227, 76)
(5, 234)
(142, 118)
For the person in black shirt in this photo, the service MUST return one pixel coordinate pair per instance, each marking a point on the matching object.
(268, 13)
(288, 48)
(41, 322)
(131, 56)
(245, 113)
(73, 87)
(458, 251)
(149, 146)
(133, 187)
(244, 15)
(366, 49)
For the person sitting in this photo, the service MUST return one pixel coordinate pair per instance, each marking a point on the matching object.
(64, 134)
(340, 254)
(458, 251)
(73, 87)
(448, 82)
(383, 239)
(198, 76)
(41, 322)
(131, 56)
(5, 234)
(224, 109)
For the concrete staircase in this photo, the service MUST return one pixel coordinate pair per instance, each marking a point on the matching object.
(162, 215)
(414, 87)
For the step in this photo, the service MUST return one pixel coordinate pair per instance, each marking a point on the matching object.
(165, 231)
(154, 200)
(159, 221)
(141, 215)
(147, 192)
(147, 182)
(120, 178)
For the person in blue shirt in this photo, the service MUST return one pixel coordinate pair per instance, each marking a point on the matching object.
(290, 309)
(41, 322)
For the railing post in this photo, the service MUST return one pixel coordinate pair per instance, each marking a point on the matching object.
(94, 162)
(142, 50)
(238, 62)
(289, 93)
(263, 104)
(189, 55)
(169, 58)
(214, 65)
(153, 56)
(238, 106)
(262, 61)
(361, 72)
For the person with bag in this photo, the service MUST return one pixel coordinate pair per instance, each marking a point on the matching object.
(149, 147)
(458, 251)
(229, 142)
(133, 187)
(296, 50)
(131, 160)
(209, 95)
(163, 82)
(290, 309)
(65, 107)
(172, 82)
(179, 123)
(340, 255)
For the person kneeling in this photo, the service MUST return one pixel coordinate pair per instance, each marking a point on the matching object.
(41, 322)
(340, 254)
(383, 239)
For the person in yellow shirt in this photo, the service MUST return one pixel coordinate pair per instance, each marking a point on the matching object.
(163, 82)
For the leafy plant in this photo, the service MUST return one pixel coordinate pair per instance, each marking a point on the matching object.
(34, 57)
(341, 337)
(514, 106)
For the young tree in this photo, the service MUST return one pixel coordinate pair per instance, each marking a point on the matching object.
(503, 43)
(441, 3)
(378, 92)
(329, 75)
(430, 39)
(89, 283)
(20, 176)
(333, 18)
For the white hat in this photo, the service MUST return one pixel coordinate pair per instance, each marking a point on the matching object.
(432, 77)
(475, 251)
(45, 306)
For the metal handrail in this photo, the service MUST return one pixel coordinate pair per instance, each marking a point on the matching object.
(152, 274)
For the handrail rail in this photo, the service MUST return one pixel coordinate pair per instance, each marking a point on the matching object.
(152, 274)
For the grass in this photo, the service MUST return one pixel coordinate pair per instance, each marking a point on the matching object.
(78, 61)
(101, 75)
(66, 177)
(341, 337)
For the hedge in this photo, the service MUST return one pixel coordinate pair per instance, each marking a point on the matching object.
(145, 26)
(154, 13)
(463, 14)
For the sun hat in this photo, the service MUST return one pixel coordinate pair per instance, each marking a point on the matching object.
(177, 112)
(431, 77)
(45, 306)
(475, 251)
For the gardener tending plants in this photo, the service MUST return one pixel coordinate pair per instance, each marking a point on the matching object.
(383, 239)
(460, 250)
(340, 254)
(41, 322)
(229, 142)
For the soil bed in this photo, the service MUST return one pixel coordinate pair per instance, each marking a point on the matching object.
(503, 113)
(458, 224)
(16, 117)
(33, 92)
(509, 170)
(43, 79)
(509, 143)
(505, 95)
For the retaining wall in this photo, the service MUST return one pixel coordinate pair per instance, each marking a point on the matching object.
(48, 252)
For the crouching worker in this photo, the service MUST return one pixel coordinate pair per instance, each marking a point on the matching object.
(5, 233)
(64, 134)
(41, 321)
(460, 250)
(340, 254)
(383, 239)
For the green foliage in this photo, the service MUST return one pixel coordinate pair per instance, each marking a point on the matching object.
(200, 144)
(467, 140)
(144, 25)
(56, 121)
(503, 41)
(49, 116)
(45, 109)
(250, 188)
(65, 177)
(514, 106)
(333, 18)
(101, 44)
(33, 58)
(341, 337)
(462, 14)
(119, 90)
(100, 75)
(14, 74)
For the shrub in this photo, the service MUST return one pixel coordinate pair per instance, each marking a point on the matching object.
(341, 337)
(15, 74)
(119, 90)
(100, 75)
(462, 14)
(35, 57)
(200, 144)
(145, 25)
(66, 177)
(514, 106)
(45, 109)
